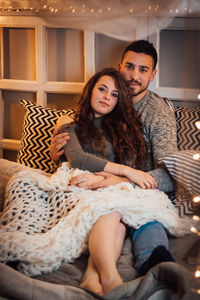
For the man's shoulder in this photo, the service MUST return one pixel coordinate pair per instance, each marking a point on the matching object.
(157, 102)
(155, 110)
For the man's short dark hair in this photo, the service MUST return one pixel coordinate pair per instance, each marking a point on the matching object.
(142, 46)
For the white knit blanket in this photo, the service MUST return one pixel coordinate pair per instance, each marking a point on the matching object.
(46, 222)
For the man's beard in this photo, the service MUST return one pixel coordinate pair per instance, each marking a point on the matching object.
(133, 93)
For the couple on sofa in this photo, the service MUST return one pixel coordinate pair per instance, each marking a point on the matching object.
(120, 132)
(108, 129)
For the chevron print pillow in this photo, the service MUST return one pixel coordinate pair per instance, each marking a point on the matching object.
(185, 169)
(38, 127)
(187, 134)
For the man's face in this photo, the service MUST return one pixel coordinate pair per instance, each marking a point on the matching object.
(137, 69)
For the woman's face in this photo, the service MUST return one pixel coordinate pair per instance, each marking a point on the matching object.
(104, 96)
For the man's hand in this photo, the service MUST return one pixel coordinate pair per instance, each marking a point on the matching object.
(85, 180)
(57, 142)
(108, 180)
(142, 179)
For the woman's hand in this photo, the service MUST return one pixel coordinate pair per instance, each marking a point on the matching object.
(57, 143)
(143, 179)
(85, 180)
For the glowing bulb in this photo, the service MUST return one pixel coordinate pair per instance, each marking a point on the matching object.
(193, 229)
(198, 96)
(131, 10)
(197, 124)
(73, 10)
(197, 274)
(196, 199)
(92, 10)
(196, 218)
(45, 6)
(196, 156)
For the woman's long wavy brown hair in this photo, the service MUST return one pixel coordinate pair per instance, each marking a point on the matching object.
(122, 127)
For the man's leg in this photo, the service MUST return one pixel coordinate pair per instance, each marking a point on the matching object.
(150, 246)
(105, 243)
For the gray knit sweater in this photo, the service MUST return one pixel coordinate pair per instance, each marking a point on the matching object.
(160, 136)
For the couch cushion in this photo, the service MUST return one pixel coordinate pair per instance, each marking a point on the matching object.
(188, 135)
(184, 166)
(38, 127)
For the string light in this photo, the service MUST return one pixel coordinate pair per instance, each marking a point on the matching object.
(197, 124)
(196, 156)
(197, 274)
(196, 199)
(60, 6)
(196, 218)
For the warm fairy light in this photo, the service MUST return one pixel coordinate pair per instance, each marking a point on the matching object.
(196, 199)
(196, 218)
(197, 124)
(193, 229)
(143, 7)
(197, 274)
(196, 156)
(198, 96)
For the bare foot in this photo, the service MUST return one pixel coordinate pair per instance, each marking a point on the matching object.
(92, 283)
(111, 283)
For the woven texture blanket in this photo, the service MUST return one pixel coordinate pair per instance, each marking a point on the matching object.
(45, 221)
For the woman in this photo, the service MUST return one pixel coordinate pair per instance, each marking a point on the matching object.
(106, 135)
(106, 130)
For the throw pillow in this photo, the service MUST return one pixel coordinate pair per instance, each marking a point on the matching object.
(37, 131)
(184, 166)
(188, 136)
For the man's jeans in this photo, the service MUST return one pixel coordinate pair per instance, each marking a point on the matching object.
(146, 239)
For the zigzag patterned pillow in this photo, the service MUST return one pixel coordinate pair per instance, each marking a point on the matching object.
(187, 134)
(185, 169)
(38, 127)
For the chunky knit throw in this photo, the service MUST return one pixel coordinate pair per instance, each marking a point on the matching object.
(45, 221)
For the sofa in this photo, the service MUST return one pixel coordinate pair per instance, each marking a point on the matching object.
(167, 280)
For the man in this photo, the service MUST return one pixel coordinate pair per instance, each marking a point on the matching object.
(138, 66)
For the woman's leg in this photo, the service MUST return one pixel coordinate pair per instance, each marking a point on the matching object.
(91, 279)
(105, 244)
